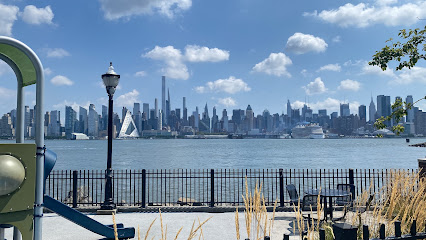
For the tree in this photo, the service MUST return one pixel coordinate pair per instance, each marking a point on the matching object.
(407, 53)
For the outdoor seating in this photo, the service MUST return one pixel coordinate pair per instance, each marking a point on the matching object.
(310, 205)
(346, 200)
(292, 192)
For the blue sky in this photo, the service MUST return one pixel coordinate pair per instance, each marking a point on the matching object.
(226, 53)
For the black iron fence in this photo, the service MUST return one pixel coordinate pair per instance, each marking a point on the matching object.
(203, 187)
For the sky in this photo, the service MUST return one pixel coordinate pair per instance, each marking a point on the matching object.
(227, 54)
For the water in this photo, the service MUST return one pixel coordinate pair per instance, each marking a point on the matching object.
(237, 153)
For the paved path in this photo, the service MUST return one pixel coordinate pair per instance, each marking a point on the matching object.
(220, 227)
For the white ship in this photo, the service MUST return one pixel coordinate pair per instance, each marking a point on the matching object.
(311, 131)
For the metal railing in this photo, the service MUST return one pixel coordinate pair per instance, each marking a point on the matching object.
(203, 187)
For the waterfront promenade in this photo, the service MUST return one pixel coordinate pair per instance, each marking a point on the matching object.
(220, 227)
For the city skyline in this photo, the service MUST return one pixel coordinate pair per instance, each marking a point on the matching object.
(228, 54)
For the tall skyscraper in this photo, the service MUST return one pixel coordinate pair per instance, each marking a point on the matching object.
(249, 117)
(225, 120)
(184, 113)
(145, 113)
(70, 119)
(383, 107)
(156, 108)
(168, 106)
(288, 108)
(410, 112)
(362, 112)
(344, 110)
(393, 110)
(372, 111)
(82, 119)
(92, 126)
(163, 98)
(215, 121)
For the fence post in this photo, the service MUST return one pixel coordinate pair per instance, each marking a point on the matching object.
(266, 238)
(382, 232)
(422, 167)
(286, 237)
(281, 188)
(413, 229)
(211, 187)
(365, 232)
(397, 229)
(143, 204)
(322, 234)
(351, 176)
(74, 188)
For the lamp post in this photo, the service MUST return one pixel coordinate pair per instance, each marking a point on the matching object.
(110, 79)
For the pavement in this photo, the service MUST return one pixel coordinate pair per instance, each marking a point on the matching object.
(221, 226)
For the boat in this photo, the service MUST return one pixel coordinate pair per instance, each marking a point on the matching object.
(312, 131)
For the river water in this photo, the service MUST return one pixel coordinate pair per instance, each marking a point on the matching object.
(237, 153)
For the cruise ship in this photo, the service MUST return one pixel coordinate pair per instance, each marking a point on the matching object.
(312, 131)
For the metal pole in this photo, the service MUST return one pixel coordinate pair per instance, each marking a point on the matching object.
(109, 203)
(20, 134)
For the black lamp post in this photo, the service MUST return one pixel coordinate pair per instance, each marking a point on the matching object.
(111, 79)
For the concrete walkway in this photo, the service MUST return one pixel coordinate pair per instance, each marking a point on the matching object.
(220, 227)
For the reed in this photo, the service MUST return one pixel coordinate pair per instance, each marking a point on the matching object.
(114, 226)
(149, 229)
(256, 217)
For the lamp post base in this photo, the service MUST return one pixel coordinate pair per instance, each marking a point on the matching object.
(106, 212)
(108, 206)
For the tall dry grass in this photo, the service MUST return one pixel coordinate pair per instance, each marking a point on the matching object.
(257, 221)
(402, 199)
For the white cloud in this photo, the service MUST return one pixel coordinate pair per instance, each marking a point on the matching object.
(60, 80)
(194, 53)
(336, 39)
(230, 85)
(47, 71)
(227, 102)
(304, 72)
(386, 2)
(301, 43)
(8, 15)
(364, 15)
(4, 68)
(376, 70)
(175, 68)
(408, 76)
(331, 104)
(56, 53)
(127, 99)
(7, 94)
(116, 9)
(200, 89)
(175, 60)
(330, 67)
(37, 16)
(276, 64)
(350, 85)
(315, 87)
(140, 74)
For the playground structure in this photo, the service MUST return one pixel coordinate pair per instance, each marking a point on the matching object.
(24, 167)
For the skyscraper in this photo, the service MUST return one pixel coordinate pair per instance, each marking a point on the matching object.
(249, 117)
(167, 107)
(185, 113)
(372, 111)
(145, 114)
(163, 98)
(70, 119)
(410, 112)
(362, 112)
(82, 118)
(156, 108)
(92, 126)
(344, 110)
(383, 107)
(288, 108)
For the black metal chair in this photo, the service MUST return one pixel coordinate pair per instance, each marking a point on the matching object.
(310, 205)
(292, 192)
(347, 200)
